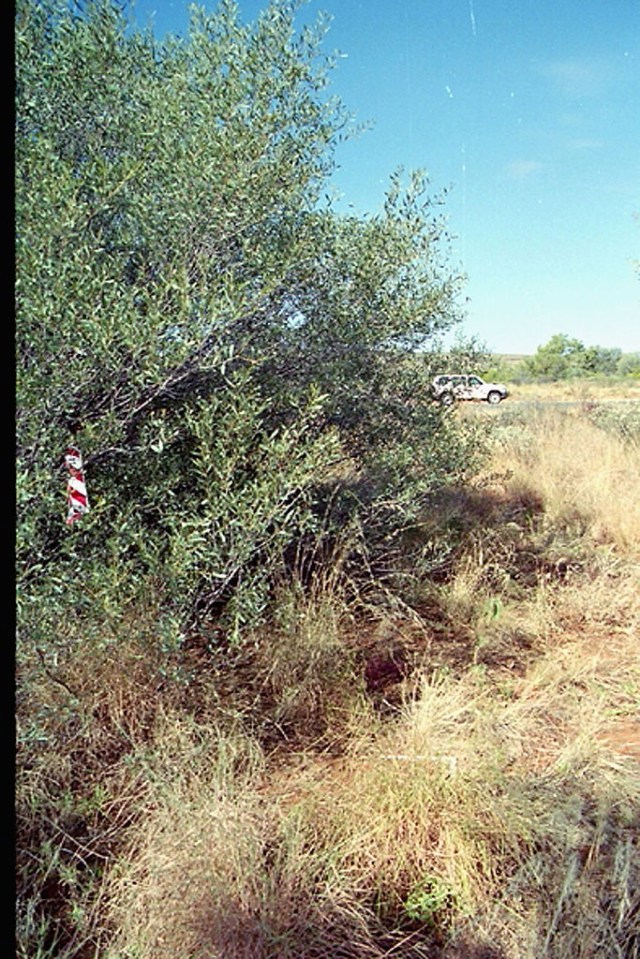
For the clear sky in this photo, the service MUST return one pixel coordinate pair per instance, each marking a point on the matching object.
(528, 111)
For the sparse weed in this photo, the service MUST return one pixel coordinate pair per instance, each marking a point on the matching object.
(622, 420)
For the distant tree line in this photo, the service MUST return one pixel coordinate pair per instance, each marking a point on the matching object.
(564, 357)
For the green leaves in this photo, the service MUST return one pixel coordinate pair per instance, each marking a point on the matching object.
(248, 495)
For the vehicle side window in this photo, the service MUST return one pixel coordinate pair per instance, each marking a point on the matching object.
(475, 381)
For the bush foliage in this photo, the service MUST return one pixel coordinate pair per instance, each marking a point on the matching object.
(196, 318)
(235, 362)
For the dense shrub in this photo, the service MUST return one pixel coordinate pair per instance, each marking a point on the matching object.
(212, 335)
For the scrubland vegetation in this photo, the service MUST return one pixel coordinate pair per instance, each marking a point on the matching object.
(327, 670)
(457, 778)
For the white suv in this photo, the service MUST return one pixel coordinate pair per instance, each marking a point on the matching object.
(446, 389)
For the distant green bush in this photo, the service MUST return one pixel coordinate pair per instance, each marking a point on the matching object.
(564, 357)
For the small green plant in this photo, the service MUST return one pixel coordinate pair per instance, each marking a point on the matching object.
(490, 614)
(432, 901)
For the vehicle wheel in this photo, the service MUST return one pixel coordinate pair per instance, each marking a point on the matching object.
(494, 398)
(446, 399)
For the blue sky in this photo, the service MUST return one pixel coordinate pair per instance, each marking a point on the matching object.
(528, 112)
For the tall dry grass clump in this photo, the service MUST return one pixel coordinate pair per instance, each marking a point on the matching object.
(588, 478)
(221, 865)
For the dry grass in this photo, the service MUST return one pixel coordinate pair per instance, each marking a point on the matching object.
(309, 685)
(580, 390)
(470, 819)
(218, 867)
(588, 479)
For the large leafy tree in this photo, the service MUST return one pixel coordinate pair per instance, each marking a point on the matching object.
(193, 316)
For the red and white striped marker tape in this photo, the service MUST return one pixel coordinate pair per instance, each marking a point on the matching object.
(77, 499)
